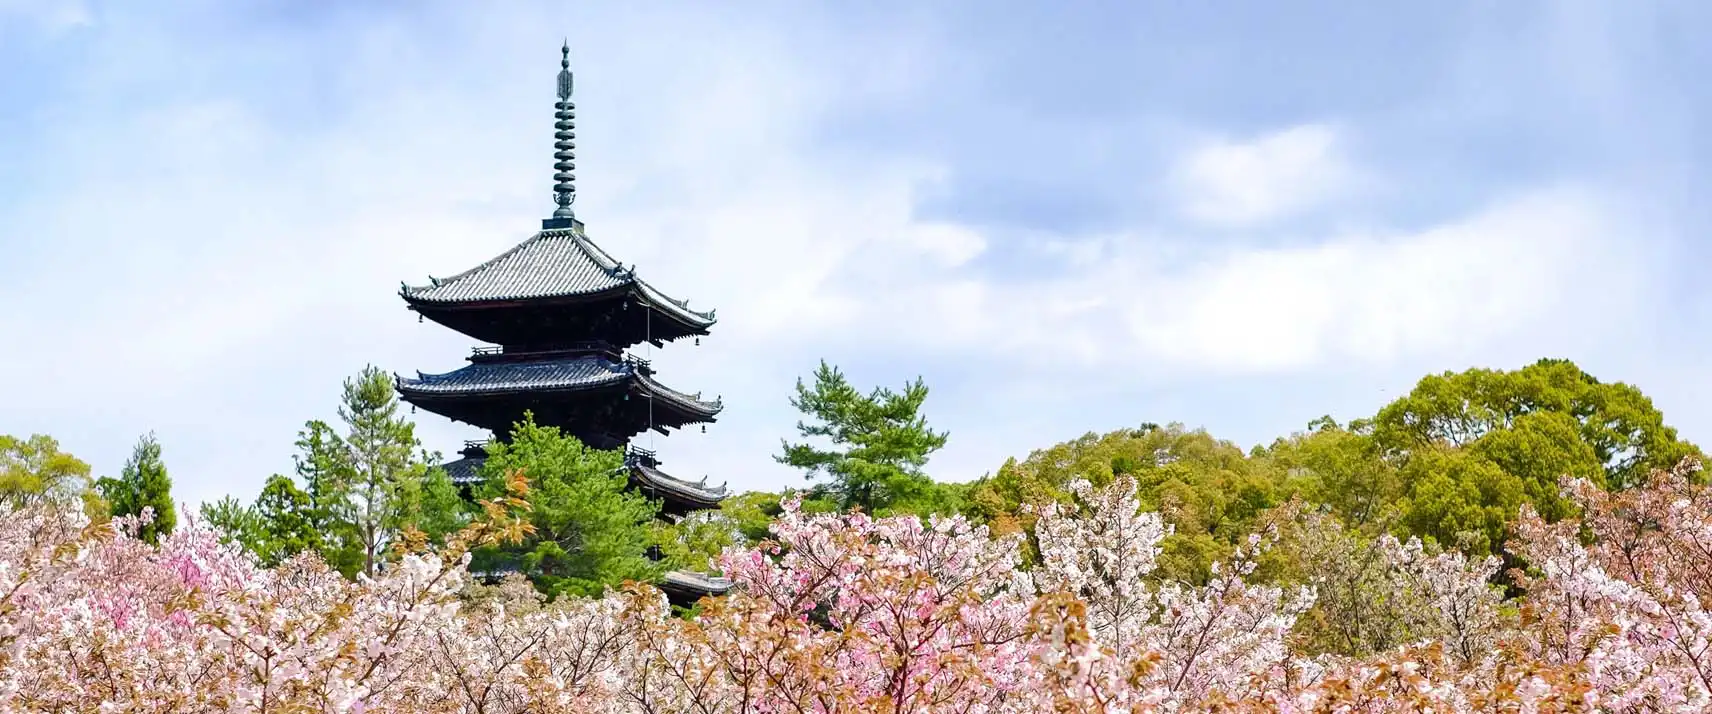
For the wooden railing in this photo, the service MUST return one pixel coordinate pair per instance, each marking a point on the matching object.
(600, 347)
(637, 454)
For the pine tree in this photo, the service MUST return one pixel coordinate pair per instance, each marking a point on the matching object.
(381, 446)
(434, 505)
(288, 524)
(591, 530)
(235, 522)
(323, 463)
(880, 441)
(143, 484)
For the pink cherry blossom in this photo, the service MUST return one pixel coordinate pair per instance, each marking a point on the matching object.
(849, 613)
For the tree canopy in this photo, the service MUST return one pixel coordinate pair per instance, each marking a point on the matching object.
(590, 530)
(1451, 462)
(880, 443)
(1207, 489)
(34, 468)
(381, 462)
(354, 493)
(1551, 401)
(143, 485)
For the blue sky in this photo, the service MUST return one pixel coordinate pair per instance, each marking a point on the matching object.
(1065, 217)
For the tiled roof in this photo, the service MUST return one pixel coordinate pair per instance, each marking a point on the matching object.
(691, 401)
(682, 581)
(465, 470)
(689, 490)
(696, 582)
(553, 263)
(584, 372)
(468, 470)
(574, 373)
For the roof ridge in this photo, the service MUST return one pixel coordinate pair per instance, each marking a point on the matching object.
(490, 262)
(600, 255)
(552, 263)
(661, 479)
(612, 369)
(597, 253)
(694, 400)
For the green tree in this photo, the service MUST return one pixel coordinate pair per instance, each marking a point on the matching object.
(591, 530)
(287, 519)
(235, 521)
(880, 442)
(33, 469)
(1207, 489)
(1539, 449)
(359, 489)
(435, 506)
(1471, 447)
(143, 484)
(323, 464)
(1626, 433)
(1459, 500)
(1341, 469)
(696, 540)
(381, 448)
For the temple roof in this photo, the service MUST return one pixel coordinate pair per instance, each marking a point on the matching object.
(468, 470)
(697, 491)
(687, 585)
(690, 582)
(464, 470)
(575, 373)
(556, 263)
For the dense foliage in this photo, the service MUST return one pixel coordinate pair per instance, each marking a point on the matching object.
(142, 487)
(879, 443)
(34, 468)
(1531, 540)
(360, 489)
(848, 613)
(590, 529)
(1451, 463)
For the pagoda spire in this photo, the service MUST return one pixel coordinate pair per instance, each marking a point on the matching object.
(564, 148)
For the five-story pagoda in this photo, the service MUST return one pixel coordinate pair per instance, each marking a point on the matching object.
(558, 313)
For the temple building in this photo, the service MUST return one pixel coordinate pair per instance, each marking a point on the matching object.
(558, 315)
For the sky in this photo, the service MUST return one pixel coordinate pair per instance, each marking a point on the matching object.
(1064, 217)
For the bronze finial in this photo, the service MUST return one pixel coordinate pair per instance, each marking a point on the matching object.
(564, 142)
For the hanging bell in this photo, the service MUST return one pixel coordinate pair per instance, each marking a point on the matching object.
(704, 428)
(698, 341)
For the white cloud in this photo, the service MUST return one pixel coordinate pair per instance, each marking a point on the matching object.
(1521, 266)
(1236, 183)
(230, 268)
(1511, 267)
(213, 272)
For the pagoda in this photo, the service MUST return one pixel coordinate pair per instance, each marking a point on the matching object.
(558, 315)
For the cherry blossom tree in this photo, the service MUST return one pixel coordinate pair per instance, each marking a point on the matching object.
(1630, 611)
(1376, 595)
(1179, 642)
(848, 613)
